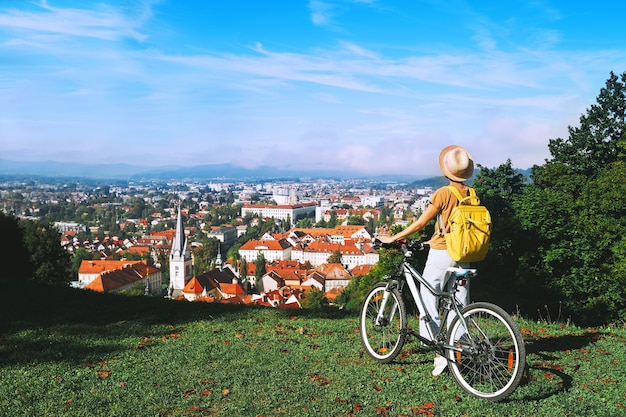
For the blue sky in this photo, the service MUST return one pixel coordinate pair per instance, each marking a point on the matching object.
(375, 86)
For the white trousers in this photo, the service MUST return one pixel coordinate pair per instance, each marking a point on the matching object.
(436, 275)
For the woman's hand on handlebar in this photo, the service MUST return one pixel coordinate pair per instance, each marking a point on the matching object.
(385, 239)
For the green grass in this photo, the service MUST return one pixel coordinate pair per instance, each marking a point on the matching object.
(71, 353)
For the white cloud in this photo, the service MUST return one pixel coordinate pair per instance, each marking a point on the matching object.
(105, 23)
(321, 12)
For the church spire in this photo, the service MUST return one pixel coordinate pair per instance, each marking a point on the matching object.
(179, 246)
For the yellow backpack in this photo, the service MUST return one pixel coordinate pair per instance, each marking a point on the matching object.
(469, 227)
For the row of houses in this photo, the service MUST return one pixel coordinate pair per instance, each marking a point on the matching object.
(283, 285)
(314, 246)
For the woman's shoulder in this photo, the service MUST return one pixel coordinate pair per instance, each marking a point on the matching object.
(440, 196)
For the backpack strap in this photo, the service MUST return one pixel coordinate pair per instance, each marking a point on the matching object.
(471, 199)
(456, 192)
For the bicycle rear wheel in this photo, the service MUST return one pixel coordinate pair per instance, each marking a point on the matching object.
(383, 340)
(491, 358)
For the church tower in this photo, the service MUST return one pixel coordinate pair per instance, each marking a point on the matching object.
(181, 268)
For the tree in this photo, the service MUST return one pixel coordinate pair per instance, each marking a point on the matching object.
(243, 268)
(498, 190)
(314, 299)
(305, 223)
(351, 298)
(332, 222)
(204, 255)
(574, 206)
(259, 267)
(50, 262)
(599, 141)
(334, 258)
(356, 220)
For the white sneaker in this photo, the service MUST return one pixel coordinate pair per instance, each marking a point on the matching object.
(440, 364)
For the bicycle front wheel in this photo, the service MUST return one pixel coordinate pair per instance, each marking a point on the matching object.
(383, 336)
(490, 356)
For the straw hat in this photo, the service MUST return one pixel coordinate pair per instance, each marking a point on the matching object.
(456, 163)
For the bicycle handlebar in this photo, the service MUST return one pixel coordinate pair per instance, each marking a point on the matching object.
(410, 246)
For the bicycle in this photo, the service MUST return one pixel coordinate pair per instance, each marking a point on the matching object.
(482, 344)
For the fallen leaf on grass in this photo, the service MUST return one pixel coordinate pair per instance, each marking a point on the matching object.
(225, 392)
(377, 388)
(205, 392)
(382, 411)
(425, 409)
(143, 343)
(323, 381)
(189, 392)
(103, 373)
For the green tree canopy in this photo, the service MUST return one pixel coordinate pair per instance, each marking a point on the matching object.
(50, 263)
(259, 266)
(204, 255)
(314, 299)
(334, 258)
(574, 207)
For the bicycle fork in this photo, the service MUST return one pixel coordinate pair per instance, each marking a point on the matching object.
(381, 318)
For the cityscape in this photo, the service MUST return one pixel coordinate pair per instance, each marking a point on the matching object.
(262, 242)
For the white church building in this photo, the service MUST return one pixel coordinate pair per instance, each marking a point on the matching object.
(181, 265)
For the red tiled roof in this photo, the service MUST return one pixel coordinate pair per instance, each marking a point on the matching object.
(360, 270)
(112, 280)
(333, 271)
(232, 289)
(269, 244)
(193, 287)
(99, 266)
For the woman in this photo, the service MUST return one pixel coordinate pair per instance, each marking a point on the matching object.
(457, 165)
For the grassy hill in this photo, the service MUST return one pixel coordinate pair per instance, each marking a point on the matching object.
(67, 352)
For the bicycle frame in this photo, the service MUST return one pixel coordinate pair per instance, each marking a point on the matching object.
(412, 278)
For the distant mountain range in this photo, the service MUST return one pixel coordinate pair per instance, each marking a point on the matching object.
(200, 172)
